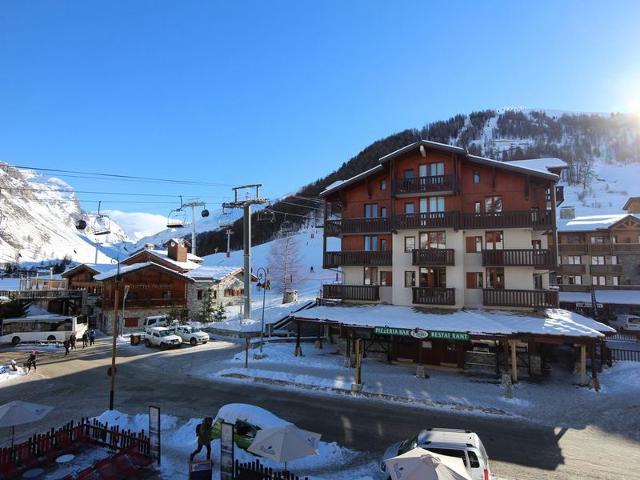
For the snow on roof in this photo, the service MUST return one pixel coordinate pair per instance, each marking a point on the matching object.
(257, 416)
(98, 267)
(426, 143)
(193, 261)
(478, 322)
(124, 269)
(590, 222)
(540, 164)
(616, 297)
(355, 178)
(511, 166)
(214, 273)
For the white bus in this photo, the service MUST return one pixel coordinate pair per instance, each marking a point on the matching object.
(42, 328)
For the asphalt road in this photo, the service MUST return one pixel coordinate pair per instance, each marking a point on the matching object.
(78, 386)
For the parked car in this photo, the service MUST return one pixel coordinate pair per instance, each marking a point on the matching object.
(190, 334)
(626, 323)
(462, 444)
(156, 321)
(248, 420)
(161, 337)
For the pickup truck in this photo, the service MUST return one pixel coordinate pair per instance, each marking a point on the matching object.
(161, 337)
(190, 334)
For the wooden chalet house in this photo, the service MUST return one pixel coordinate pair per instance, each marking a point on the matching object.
(432, 225)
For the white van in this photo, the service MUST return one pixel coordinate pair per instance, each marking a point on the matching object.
(626, 323)
(462, 444)
(156, 321)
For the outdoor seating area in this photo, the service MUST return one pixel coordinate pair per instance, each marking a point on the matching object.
(45, 454)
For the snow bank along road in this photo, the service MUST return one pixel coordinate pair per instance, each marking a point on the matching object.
(78, 385)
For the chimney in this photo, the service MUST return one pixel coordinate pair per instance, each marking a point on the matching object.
(177, 250)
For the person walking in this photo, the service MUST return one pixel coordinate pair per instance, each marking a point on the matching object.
(203, 432)
(85, 340)
(72, 341)
(66, 344)
(32, 361)
(92, 337)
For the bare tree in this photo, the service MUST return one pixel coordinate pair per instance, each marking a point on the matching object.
(285, 262)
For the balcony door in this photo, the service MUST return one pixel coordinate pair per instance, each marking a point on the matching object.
(371, 210)
(434, 240)
(433, 277)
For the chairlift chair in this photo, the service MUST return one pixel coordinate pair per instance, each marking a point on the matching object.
(101, 224)
(287, 227)
(266, 216)
(177, 218)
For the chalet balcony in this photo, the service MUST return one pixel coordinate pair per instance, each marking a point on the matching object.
(356, 258)
(626, 248)
(573, 248)
(146, 303)
(434, 296)
(433, 257)
(334, 228)
(519, 258)
(600, 248)
(427, 220)
(605, 269)
(538, 219)
(362, 293)
(420, 185)
(567, 269)
(519, 298)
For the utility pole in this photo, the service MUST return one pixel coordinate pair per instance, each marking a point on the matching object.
(193, 204)
(251, 198)
(114, 338)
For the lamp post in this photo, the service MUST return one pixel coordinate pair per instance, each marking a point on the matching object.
(264, 283)
(114, 332)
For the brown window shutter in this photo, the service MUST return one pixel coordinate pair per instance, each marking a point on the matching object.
(471, 279)
(471, 244)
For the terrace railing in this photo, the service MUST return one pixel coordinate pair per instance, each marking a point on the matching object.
(363, 293)
(429, 184)
(434, 296)
(433, 257)
(356, 258)
(519, 298)
(519, 258)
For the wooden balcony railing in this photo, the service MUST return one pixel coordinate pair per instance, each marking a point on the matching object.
(519, 258)
(146, 303)
(433, 257)
(363, 293)
(358, 225)
(626, 248)
(572, 287)
(600, 248)
(434, 296)
(570, 269)
(431, 184)
(519, 298)
(573, 248)
(427, 220)
(533, 218)
(605, 269)
(356, 257)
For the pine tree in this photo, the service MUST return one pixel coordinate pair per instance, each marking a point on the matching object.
(219, 313)
(207, 307)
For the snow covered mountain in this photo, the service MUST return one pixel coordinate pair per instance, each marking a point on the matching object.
(38, 214)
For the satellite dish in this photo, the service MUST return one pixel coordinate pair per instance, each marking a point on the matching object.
(204, 213)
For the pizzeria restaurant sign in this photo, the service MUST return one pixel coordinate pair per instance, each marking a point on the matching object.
(421, 333)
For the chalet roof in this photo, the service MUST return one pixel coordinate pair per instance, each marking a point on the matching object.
(628, 203)
(193, 261)
(126, 269)
(213, 273)
(179, 241)
(94, 267)
(538, 167)
(588, 223)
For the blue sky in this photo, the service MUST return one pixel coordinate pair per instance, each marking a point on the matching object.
(284, 92)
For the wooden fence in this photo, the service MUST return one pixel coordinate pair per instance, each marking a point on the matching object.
(256, 471)
(625, 355)
(69, 437)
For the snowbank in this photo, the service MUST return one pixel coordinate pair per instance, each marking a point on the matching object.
(233, 412)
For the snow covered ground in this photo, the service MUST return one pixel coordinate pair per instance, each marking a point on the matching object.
(7, 374)
(554, 400)
(179, 440)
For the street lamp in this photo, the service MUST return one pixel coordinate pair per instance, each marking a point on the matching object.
(114, 332)
(264, 283)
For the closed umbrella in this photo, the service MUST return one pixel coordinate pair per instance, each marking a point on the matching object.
(283, 444)
(18, 412)
(420, 464)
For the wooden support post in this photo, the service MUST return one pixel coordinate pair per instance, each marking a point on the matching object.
(583, 365)
(594, 368)
(298, 352)
(514, 362)
(246, 352)
(347, 350)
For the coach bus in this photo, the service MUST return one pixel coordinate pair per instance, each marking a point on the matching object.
(42, 328)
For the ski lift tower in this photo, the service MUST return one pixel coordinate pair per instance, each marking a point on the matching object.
(205, 213)
(252, 197)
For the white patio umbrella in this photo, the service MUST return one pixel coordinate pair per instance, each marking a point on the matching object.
(420, 464)
(283, 444)
(18, 412)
